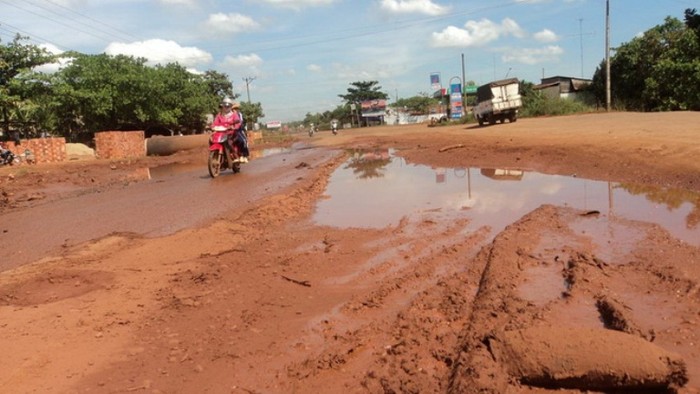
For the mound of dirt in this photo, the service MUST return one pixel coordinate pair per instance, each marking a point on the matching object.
(586, 359)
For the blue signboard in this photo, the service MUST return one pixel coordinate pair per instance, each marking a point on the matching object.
(456, 100)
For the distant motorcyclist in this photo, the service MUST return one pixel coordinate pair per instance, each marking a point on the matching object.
(334, 126)
(6, 155)
(232, 119)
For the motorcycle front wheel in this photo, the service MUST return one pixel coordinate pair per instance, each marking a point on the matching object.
(214, 163)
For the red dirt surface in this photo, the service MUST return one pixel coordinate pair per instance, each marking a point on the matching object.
(262, 299)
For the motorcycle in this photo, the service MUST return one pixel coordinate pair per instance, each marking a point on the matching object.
(7, 157)
(334, 127)
(312, 130)
(223, 153)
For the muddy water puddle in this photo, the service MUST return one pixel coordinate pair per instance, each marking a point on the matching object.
(377, 189)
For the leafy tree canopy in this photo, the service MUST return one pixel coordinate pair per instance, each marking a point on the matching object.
(417, 104)
(363, 90)
(16, 61)
(657, 71)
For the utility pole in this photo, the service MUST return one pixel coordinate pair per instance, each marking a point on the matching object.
(248, 80)
(464, 93)
(580, 33)
(607, 55)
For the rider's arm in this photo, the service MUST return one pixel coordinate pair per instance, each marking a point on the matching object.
(218, 121)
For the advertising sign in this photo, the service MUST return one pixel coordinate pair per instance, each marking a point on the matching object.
(274, 124)
(456, 101)
(435, 81)
(371, 108)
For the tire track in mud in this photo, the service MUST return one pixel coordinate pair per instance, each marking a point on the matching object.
(510, 341)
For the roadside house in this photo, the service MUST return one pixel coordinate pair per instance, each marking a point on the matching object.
(564, 87)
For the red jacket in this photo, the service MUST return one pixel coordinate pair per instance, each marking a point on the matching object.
(229, 120)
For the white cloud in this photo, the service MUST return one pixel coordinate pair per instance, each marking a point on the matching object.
(546, 35)
(314, 68)
(60, 62)
(188, 3)
(531, 56)
(51, 48)
(70, 3)
(159, 51)
(414, 6)
(230, 23)
(509, 26)
(298, 4)
(252, 60)
(476, 33)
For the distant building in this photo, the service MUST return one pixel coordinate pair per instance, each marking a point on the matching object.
(564, 87)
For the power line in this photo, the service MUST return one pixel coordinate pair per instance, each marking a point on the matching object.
(101, 23)
(17, 30)
(69, 26)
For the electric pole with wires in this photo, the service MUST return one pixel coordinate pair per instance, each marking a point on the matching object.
(248, 80)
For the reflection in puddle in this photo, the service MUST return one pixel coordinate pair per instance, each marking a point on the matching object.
(258, 153)
(377, 190)
(168, 170)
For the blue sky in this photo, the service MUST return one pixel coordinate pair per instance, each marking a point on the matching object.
(299, 55)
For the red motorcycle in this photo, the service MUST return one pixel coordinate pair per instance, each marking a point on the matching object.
(223, 152)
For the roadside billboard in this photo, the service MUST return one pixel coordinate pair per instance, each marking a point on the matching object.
(435, 81)
(372, 108)
(456, 100)
(273, 124)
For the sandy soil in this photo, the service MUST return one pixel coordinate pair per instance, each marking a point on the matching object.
(265, 300)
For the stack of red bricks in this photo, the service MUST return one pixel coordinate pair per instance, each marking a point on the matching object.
(40, 150)
(255, 136)
(120, 144)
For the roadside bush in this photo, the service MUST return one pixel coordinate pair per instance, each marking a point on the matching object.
(538, 104)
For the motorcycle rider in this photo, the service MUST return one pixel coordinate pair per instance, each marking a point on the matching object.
(242, 135)
(5, 154)
(230, 118)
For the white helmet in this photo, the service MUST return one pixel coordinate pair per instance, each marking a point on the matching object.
(226, 102)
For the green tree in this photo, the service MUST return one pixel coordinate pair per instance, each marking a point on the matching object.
(16, 61)
(252, 112)
(363, 90)
(659, 70)
(417, 104)
(102, 92)
(219, 84)
(692, 20)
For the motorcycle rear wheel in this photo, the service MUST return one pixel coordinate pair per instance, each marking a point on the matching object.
(214, 163)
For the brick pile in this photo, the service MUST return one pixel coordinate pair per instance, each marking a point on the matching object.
(255, 136)
(40, 150)
(120, 144)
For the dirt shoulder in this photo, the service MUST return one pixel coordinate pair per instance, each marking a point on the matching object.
(266, 300)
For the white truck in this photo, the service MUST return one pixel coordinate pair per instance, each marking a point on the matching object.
(498, 101)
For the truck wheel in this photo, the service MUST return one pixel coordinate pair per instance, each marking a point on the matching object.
(480, 120)
(492, 119)
(513, 117)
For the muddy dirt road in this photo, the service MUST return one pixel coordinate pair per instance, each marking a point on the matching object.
(557, 254)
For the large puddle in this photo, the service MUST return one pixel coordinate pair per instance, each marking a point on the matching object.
(378, 189)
